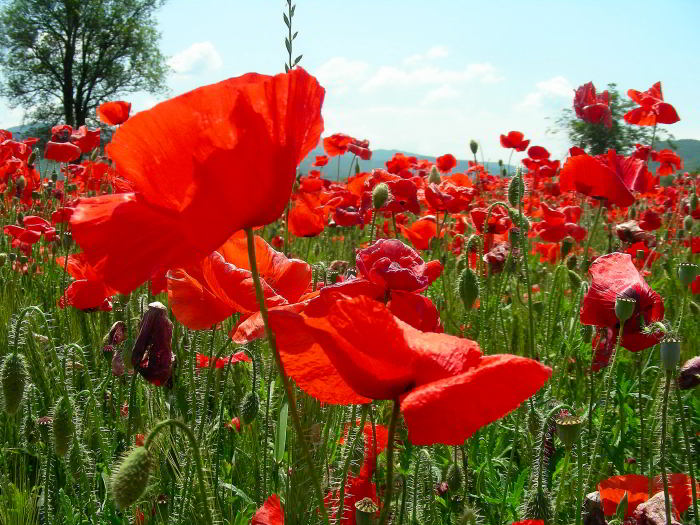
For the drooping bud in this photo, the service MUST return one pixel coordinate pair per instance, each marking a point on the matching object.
(670, 352)
(454, 477)
(365, 510)
(468, 287)
(31, 159)
(434, 177)
(474, 146)
(63, 425)
(624, 308)
(687, 272)
(250, 407)
(574, 280)
(20, 184)
(516, 189)
(14, 378)
(130, 479)
(688, 223)
(689, 376)
(566, 245)
(571, 261)
(116, 334)
(380, 194)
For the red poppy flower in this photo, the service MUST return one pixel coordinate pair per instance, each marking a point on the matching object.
(114, 113)
(592, 107)
(347, 217)
(23, 235)
(321, 160)
(668, 161)
(615, 275)
(203, 360)
(337, 144)
(446, 162)
(86, 139)
(499, 221)
(612, 177)
(555, 225)
(416, 310)
(363, 152)
(538, 153)
(190, 160)
(392, 265)
(448, 197)
(514, 140)
(270, 513)
(653, 110)
(305, 218)
(61, 151)
(375, 355)
(649, 221)
(88, 292)
(613, 489)
(529, 522)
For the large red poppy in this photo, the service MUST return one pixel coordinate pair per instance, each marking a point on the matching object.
(613, 489)
(359, 344)
(87, 292)
(445, 162)
(614, 275)
(612, 177)
(514, 140)
(270, 513)
(557, 224)
(114, 113)
(201, 166)
(592, 107)
(653, 110)
(668, 161)
(61, 151)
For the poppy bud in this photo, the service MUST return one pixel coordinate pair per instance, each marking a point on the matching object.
(538, 506)
(129, 481)
(468, 287)
(75, 459)
(14, 378)
(31, 159)
(454, 477)
(687, 273)
(670, 351)
(694, 308)
(380, 194)
(20, 184)
(566, 245)
(688, 223)
(67, 240)
(504, 172)
(586, 333)
(568, 428)
(689, 376)
(500, 163)
(571, 262)
(365, 509)
(54, 176)
(516, 189)
(624, 308)
(693, 202)
(434, 177)
(250, 407)
(474, 146)
(63, 425)
(574, 280)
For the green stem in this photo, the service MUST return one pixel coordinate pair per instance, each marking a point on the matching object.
(360, 431)
(285, 380)
(562, 483)
(530, 314)
(584, 266)
(197, 459)
(688, 456)
(579, 490)
(390, 464)
(640, 402)
(664, 477)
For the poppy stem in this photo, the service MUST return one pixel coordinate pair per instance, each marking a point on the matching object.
(688, 456)
(285, 380)
(584, 265)
(390, 464)
(197, 459)
(640, 402)
(360, 431)
(664, 477)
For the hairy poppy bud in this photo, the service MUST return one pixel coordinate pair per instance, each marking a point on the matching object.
(687, 273)
(538, 506)
(54, 176)
(380, 194)
(468, 287)
(571, 262)
(500, 163)
(680, 233)
(566, 245)
(250, 407)
(20, 184)
(474, 146)
(693, 202)
(14, 377)
(516, 189)
(31, 159)
(689, 376)
(694, 308)
(129, 481)
(574, 280)
(670, 351)
(63, 425)
(568, 428)
(454, 477)
(688, 223)
(624, 308)
(434, 177)
(365, 509)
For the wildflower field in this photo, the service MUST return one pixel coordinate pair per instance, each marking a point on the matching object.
(194, 330)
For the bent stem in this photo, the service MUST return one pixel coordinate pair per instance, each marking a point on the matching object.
(285, 380)
(197, 459)
(390, 464)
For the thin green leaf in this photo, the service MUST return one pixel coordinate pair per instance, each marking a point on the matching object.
(281, 441)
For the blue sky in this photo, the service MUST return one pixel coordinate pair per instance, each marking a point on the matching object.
(428, 76)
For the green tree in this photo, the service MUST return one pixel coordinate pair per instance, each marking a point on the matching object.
(596, 138)
(59, 59)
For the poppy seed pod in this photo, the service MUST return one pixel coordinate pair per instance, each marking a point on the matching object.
(474, 146)
(14, 377)
(129, 481)
(380, 194)
(568, 428)
(468, 287)
(152, 354)
(365, 509)
(624, 308)
(670, 351)
(63, 425)
(434, 177)
(689, 376)
(687, 273)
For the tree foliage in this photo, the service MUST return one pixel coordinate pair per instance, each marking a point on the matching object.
(596, 138)
(61, 58)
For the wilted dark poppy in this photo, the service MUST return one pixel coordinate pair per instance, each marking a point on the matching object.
(514, 140)
(592, 107)
(114, 113)
(152, 355)
(234, 145)
(653, 110)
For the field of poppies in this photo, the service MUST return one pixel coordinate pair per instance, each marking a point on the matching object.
(195, 331)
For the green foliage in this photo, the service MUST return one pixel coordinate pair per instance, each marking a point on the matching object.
(61, 59)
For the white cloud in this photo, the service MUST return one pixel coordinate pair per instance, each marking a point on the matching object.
(340, 73)
(200, 57)
(431, 75)
(555, 87)
(444, 92)
(432, 53)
